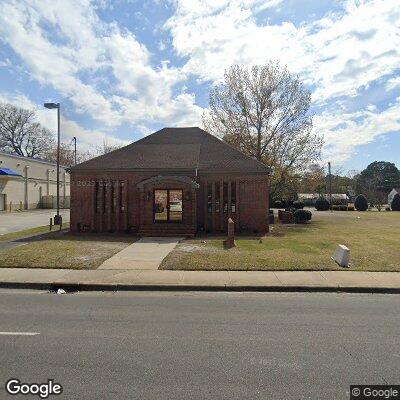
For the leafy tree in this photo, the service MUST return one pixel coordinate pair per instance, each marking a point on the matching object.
(264, 112)
(313, 180)
(21, 134)
(377, 180)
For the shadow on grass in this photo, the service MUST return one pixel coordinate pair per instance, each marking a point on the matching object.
(87, 237)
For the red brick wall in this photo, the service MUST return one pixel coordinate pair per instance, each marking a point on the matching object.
(252, 204)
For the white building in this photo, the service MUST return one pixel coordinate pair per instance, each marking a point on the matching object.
(393, 193)
(27, 183)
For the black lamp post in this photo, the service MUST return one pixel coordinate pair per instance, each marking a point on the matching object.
(57, 217)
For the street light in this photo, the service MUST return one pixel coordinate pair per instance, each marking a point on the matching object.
(57, 217)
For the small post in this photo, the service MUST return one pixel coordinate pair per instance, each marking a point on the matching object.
(10, 206)
(230, 242)
(20, 206)
(51, 223)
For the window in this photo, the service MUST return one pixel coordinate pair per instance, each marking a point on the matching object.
(217, 196)
(225, 200)
(168, 205)
(96, 196)
(121, 196)
(209, 197)
(233, 197)
(113, 197)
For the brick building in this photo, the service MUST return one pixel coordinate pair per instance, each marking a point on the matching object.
(177, 181)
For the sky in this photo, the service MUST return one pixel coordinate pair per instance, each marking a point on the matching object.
(124, 69)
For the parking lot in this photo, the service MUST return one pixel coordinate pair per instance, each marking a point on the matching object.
(18, 221)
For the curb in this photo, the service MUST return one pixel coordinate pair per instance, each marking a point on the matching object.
(78, 287)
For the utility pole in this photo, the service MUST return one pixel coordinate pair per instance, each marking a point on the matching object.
(74, 139)
(330, 183)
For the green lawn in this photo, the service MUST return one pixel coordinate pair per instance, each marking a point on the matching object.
(64, 250)
(373, 239)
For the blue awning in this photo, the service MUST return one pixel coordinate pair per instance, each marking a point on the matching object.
(8, 172)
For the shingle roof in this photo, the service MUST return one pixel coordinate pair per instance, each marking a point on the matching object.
(177, 148)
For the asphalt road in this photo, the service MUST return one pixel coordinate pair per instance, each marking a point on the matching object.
(19, 221)
(200, 345)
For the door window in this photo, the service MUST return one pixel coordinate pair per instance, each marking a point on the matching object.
(168, 205)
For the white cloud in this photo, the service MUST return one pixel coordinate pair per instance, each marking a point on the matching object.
(393, 83)
(88, 139)
(109, 75)
(338, 55)
(76, 43)
(343, 132)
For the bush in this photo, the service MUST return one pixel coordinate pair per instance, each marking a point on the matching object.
(298, 205)
(278, 204)
(395, 205)
(322, 204)
(361, 203)
(350, 208)
(302, 216)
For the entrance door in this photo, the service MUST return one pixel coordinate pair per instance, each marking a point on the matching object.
(168, 205)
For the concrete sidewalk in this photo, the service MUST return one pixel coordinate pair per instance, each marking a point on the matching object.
(387, 282)
(144, 254)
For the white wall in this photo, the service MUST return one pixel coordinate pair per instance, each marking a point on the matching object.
(38, 178)
(392, 193)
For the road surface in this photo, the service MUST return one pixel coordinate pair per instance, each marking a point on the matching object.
(19, 221)
(199, 345)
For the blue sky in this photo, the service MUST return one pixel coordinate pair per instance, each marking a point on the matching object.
(122, 69)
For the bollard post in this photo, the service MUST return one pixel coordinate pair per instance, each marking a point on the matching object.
(230, 242)
(10, 206)
(51, 223)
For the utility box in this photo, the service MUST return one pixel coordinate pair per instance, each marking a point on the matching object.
(342, 256)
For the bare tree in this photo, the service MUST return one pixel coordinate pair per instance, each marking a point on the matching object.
(264, 112)
(107, 148)
(21, 134)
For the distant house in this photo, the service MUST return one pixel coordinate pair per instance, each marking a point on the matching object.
(351, 194)
(309, 198)
(393, 193)
(177, 181)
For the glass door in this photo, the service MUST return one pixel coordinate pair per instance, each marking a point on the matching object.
(160, 205)
(168, 205)
(175, 205)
